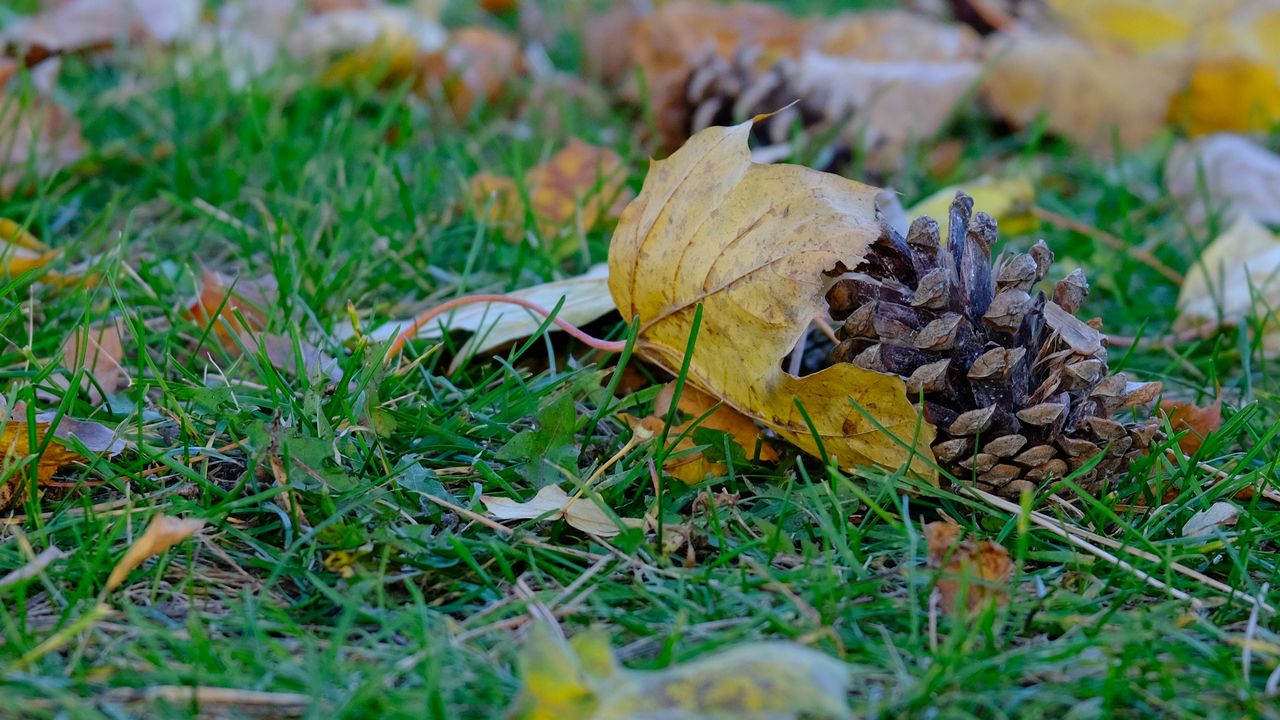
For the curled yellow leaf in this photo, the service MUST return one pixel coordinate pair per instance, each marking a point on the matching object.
(163, 533)
(755, 246)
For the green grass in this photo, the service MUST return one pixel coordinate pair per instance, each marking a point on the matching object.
(314, 192)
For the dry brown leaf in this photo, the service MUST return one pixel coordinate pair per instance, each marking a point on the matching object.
(664, 45)
(37, 137)
(580, 186)
(981, 570)
(1093, 94)
(98, 351)
(162, 533)
(232, 309)
(753, 246)
(694, 467)
(1228, 95)
(15, 448)
(1224, 173)
(1198, 421)
(92, 24)
(477, 65)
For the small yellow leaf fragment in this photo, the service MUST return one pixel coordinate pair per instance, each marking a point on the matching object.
(1228, 95)
(580, 186)
(15, 448)
(161, 534)
(980, 569)
(754, 246)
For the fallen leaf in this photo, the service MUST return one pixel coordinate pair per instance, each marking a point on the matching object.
(754, 245)
(552, 503)
(98, 352)
(1198, 421)
(1224, 173)
(981, 570)
(16, 448)
(1228, 95)
(693, 467)
(1236, 277)
(586, 298)
(22, 251)
(34, 567)
(1217, 516)
(1144, 26)
(37, 137)
(231, 308)
(1008, 200)
(582, 680)
(162, 533)
(1095, 95)
(475, 66)
(582, 186)
(302, 358)
(91, 24)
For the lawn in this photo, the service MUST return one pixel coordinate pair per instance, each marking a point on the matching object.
(347, 567)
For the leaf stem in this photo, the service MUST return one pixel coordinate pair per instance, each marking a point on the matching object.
(610, 346)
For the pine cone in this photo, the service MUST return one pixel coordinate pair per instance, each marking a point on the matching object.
(1016, 384)
(724, 91)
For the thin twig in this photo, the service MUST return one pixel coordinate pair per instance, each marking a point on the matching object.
(1076, 537)
(1142, 255)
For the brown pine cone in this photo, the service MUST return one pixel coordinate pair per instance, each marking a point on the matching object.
(1016, 384)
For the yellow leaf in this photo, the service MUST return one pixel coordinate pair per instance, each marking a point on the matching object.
(694, 467)
(15, 448)
(580, 680)
(1092, 94)
(161, 534)
(1142, 25)
(754, 246)
(1228, 95)
(22, 251)
(1009, 201)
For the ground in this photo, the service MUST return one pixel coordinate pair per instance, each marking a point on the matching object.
(387, 603)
